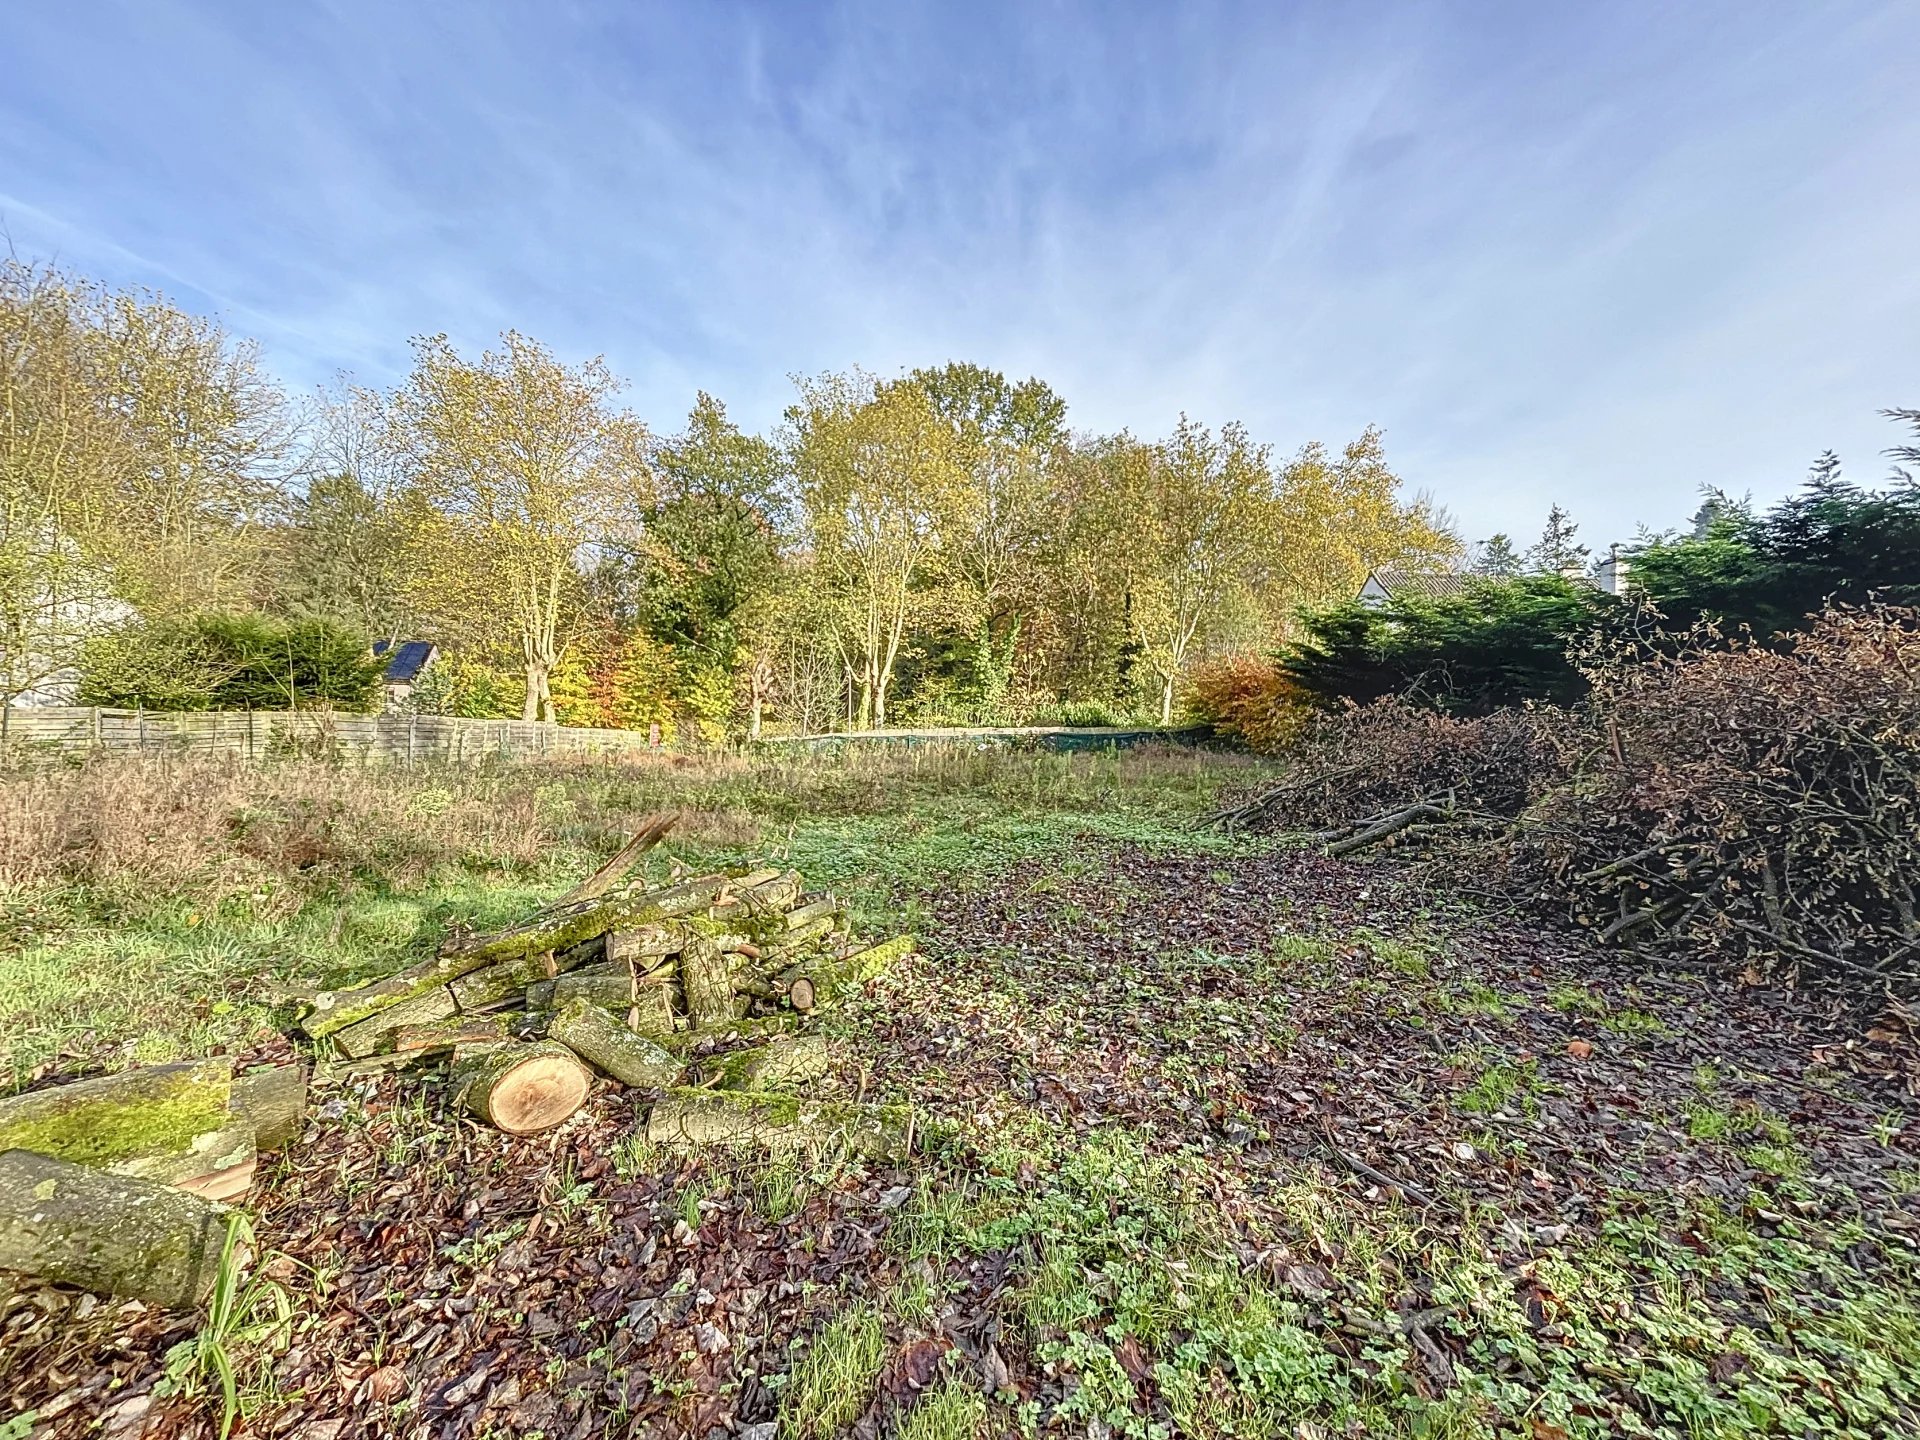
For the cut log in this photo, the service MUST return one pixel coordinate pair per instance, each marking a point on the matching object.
(116, 1234)
(781, 1122)
(159, 1122)
(505, 983)
(566, 925)
(816, 979)
(522, 1089)
(648, 1006)
(826, 907)
(603, 1042)
(802, 936)
(451, 1033)
(374, 1034)
(769, 898)
(643, 945)
(786, 1061)
(274, 1103)
(706, 976)
(228, 1184)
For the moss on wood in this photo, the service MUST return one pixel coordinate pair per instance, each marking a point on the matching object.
(167, 1122)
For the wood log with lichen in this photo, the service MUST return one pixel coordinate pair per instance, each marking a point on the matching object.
(566, 925)
(817, 978)
(781, 1122)
(117, 1234)
(273, 1102)
(706, 980)
(159, 1122)
(374, 1034)
(784, 1061)
(609, 1046)
(451, 1033)
(647, 1007)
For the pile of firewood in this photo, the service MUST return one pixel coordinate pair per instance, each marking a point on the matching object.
(116, 1183)
(620, 975)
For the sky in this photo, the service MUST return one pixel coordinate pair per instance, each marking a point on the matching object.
(1596, 255)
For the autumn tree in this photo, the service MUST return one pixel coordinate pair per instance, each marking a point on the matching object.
(141, 454)
(1202, 523)
(884, 486)
(1342, 515)
(517, 465)
(711, 551)
(1007, 435)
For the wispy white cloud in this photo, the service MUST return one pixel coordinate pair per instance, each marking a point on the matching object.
(1597, 255)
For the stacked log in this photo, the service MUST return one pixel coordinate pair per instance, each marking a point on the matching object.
(618, 975)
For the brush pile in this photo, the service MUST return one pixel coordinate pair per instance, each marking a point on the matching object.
(1712, 800)
(620, 975)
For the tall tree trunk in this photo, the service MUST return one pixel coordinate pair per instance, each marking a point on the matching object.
(1166, 700)
(539, 701)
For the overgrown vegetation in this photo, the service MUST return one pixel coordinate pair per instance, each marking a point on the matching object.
(1156, 1061)
(1714, 797)
(152, 906)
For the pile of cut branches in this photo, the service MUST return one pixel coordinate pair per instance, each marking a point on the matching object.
(1391, 761)
(1713, 799)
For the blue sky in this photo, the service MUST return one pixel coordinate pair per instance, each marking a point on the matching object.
(1594, 254)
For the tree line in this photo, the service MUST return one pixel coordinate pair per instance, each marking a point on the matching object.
(1509, 637)
(176, 529)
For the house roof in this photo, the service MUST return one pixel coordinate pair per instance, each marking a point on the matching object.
(405, 659)
(1421, 585)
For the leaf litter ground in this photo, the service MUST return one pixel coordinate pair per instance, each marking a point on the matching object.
(1261, 1144)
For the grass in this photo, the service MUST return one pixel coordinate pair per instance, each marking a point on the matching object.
(153, 907)
(832, 1382)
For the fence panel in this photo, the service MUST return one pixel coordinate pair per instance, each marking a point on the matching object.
(402, 739)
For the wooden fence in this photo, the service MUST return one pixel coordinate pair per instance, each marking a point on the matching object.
(254, 733)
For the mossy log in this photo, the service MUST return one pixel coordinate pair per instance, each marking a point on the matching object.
(451, 1033)
(648, 1006)
(609, 1046)
(159, 1122)
(374, 1035)
(643, 946)
(502, 984)
(826, 907)
(771, 898)
(802, 937)
(706, 976)
(274, 1103)
(781, 1122)
(116, 1234)
(565, 925)
(522, 1089)
(816, 979)
(784, 1061)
